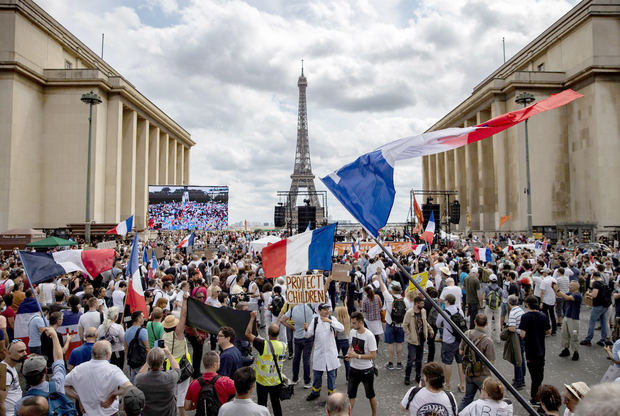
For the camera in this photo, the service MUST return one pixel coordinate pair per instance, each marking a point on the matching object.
(160, 343)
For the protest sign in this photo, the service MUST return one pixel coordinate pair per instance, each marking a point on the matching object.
(305, 289)
(107, 244)
(159, 252)
(340, 272)
(421, 279)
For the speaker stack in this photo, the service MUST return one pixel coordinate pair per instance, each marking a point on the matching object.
(306, 215)
(455, 212)
(279, 216)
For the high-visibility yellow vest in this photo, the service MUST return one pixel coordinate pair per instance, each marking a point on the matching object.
(266, 373)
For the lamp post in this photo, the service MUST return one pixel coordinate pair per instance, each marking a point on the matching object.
(92, 99)
(525, 98)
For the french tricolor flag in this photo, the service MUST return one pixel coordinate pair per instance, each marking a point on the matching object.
(41, 267)
(311, 250)
(355, 251)
(418, 249)
(429, 233)
(483, 254)
(188, 241)
(135, 291)
(123, 227)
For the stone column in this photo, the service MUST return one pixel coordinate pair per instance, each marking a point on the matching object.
(163, 158)
(180, 159)
(114, 156)
(186, 165)
(128, 183)
(488, 201)
(153, 155)
(172, 161)
(473, 191)
(142, 173)
(432, 172)
(499, 156)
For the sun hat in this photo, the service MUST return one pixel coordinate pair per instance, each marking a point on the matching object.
(170, 322)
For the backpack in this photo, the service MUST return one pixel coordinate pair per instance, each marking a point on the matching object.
(493, 300)
(472, 366)
(59, 404)
(398, 311)
(136, 352)
(415, 391)
(459, 321)
(277, 302)
(3, 288)
(208, 400)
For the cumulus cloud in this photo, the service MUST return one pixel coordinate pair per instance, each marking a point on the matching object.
(377, 71)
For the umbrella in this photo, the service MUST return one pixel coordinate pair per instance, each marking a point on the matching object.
(51, 242)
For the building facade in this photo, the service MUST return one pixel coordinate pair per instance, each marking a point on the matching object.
(44, 70)
(574, 150)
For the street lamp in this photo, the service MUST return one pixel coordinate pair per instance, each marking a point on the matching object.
(525, 98)
(92, 99)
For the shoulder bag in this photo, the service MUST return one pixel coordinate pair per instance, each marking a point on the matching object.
(286, 390)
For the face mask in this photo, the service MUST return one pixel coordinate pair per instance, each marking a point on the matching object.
(3, 309)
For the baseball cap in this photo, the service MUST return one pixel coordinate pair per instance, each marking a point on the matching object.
(493, 277)
(34, 364)
(134, 401)
(324, 306)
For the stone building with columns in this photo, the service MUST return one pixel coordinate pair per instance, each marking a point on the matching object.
(44, 70)
(574, 150)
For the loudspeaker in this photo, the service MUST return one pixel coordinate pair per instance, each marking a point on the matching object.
(279, 216)
(455, 212)
(426, 212)
(306, 215)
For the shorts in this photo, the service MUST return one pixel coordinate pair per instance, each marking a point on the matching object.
(367, 377)
(450, 352)
(559, 307)
(394, 334)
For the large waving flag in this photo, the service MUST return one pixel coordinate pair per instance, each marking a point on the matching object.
(365, 187)
(135, 292)
(123, 227)
(429, 233)
(44, 266)
(418, 249)
(416, 210)
(188, 241)
(483, 254)
(311, 250)
(355, 251)
(27, 309)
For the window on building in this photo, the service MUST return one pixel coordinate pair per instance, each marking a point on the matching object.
(68, 65)
(541, 67)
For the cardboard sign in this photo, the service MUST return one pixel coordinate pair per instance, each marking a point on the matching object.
(421, 279)
(340, 272)
(210, 254)
(305, 289)
(159, 252)
(107, 244)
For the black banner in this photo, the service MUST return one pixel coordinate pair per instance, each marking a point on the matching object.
(211, 319)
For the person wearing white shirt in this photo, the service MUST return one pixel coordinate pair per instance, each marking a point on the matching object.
(118, 296)
(563, 279)
(98, 398)
(547, 295)
(16, 354)
(325, 352)
(491, 401)
(452, 289)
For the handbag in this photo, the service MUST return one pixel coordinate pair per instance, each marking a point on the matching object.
(286, 390)
(186, 367)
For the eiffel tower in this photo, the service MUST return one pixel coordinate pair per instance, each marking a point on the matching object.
(302, 176)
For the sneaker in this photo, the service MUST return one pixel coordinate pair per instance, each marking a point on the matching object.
(307, 386)
(601, 343)
(586, 342)
(565, 353)
(575, 356)
(399, 366)
(518, 386)
(447, 388)
(407, 382)
(389, 366)
(295, 382)
(312, 396)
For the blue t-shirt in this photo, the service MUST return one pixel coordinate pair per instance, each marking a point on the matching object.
(301, 313)
(131, 333)
(230, 361)
(573, 307)
(81, 354)
(34, 334)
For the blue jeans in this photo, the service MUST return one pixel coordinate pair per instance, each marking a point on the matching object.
(520, 370)
(599, 313)
(302, 346)
(472, 385)
(343, 347)
(318, 381)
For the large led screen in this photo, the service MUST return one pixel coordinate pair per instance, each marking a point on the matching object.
(188, 207)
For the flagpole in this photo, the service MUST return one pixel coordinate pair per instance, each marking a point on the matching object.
(32, 287)
(446, 317)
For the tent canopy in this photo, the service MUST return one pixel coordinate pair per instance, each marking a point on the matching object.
(259, 245)
(51, 242)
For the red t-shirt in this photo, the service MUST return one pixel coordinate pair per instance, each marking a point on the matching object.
(224, 386)
(8, 313)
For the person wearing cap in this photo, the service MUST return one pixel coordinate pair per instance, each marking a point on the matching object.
(573, 394)
(394, 335)
(34, 370)
(492, 299)
(322, 327)
(82, 353)
(547, 295)
(133, 401)
(97, 383)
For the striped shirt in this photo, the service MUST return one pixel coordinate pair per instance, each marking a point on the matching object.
(514, 318)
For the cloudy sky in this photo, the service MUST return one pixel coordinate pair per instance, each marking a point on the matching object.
(227, 72)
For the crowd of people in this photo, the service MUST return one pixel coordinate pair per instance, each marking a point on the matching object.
(114, 360)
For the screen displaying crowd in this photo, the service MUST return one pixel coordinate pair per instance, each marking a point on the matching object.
(188, 207)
